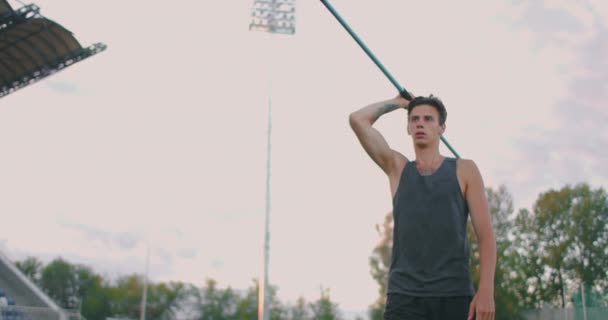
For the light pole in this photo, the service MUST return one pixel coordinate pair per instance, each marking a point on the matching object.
(144, 297)
(272, 17)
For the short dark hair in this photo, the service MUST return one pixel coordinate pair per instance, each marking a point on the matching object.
(433, 102)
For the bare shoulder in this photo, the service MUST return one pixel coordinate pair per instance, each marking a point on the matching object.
(466, 168)
(468, 175)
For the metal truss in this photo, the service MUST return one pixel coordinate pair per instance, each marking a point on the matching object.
(51, 69)
(33, 47)
(11, 17)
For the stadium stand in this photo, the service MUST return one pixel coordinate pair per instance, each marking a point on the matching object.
(20, 299)
(33, 47)
(8, 309)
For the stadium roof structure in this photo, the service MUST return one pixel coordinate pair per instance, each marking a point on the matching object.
(33, 47)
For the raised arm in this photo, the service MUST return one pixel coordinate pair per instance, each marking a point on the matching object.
(371, 139)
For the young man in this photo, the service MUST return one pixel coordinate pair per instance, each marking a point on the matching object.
(432, 196)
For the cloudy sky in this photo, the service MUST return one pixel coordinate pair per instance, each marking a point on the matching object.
(161, 140)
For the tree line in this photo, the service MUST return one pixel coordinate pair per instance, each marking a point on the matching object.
(545, 256)
(78, 287)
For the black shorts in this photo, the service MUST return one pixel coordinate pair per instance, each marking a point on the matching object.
(404, 307)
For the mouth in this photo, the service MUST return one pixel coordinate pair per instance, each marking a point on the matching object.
(420, 134)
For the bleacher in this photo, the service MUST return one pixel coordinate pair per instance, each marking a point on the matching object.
(8, 308)
(21, 299)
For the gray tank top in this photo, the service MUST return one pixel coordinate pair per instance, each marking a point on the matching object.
(430, 245)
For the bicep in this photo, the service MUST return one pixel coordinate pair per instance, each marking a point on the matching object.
(377, 148)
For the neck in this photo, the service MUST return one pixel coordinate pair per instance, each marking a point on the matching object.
(427, 156)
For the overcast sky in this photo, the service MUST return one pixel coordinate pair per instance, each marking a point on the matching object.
(162, 138)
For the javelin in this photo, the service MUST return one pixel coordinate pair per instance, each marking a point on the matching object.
(402, 91)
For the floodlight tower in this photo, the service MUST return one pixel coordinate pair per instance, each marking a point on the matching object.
(272, 17)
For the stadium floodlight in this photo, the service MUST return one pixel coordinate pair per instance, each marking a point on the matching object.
(274, 17)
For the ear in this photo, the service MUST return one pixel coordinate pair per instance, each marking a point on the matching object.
(409, 132)
(442, 129)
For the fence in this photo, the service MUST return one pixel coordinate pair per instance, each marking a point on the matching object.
(592, 313)
(36, 313)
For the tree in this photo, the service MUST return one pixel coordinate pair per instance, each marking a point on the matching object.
(554, 225)
(216, 303)
(588, 257)
(73, 286)
(165, 299)
(324, 308)
(299, 311)
(125, 296)
(528, 268)
(277, 310)
(59, 281)
(247, 307)
(31, 267)
(93, 294)
(573, 233)
(380, 261)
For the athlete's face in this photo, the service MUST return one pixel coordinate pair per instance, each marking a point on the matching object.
(423, 125)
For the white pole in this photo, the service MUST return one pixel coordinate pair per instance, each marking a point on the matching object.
(566, 305)
(584, 303)
(265, 16)
(144, 297)
(264, 292)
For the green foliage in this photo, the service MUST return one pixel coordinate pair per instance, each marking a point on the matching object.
(376, 312)
(31, 267)
(324, 308)
(78, 287)
(299, 311)
(61, 281)
(218, 304)
(247, 307)
(94, 296)
(380, 261)
(527, 264)
(70, 286)
(126, 296)
(571, 229)
(165, 299)
(226, 304)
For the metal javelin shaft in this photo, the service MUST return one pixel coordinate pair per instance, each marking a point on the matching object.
(369, 53)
